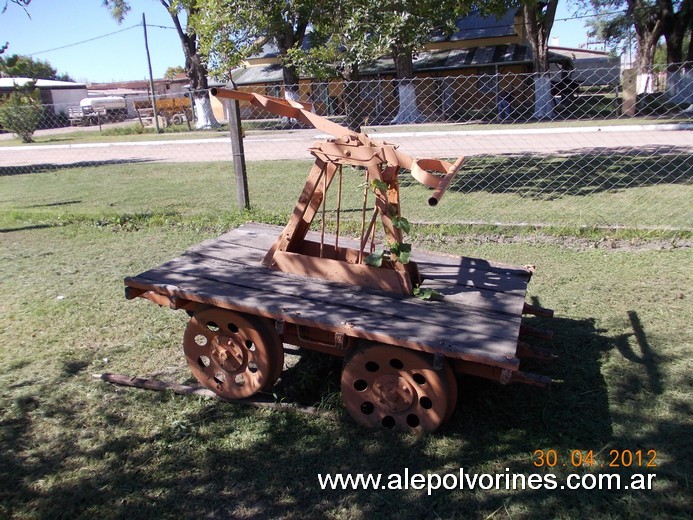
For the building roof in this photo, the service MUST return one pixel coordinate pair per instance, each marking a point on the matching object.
(475, 26)
(425, 61)
(10, 83)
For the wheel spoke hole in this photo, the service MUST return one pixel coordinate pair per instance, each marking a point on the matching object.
(212, 326)
(426, 403)
(201, 340)
(250, 345)
(372, 366)
(419, 379)
(233, 328)
(388, 422)
(252, 367)
(203, 361)
(413, 420)
(239, 380)
(396, 364)
(367, 408)
(360, 385)
(219, 378)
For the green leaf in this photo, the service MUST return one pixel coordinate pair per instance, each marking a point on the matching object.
(375, 259)
(401, 223)
(378, 185)
(402, 251)
(427, 294)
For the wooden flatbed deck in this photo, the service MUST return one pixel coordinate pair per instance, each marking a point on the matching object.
(478, 320)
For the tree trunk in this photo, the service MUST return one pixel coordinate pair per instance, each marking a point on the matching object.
(290, 78)
(196, 71)
(408, 111)
(645, 60)
(354, 112)
(675, 25)
(538, 26)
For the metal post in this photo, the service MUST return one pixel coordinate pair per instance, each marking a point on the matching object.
(239, 171)
(151, 77)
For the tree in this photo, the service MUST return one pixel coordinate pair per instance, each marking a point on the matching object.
(407, 26)
(21, 111)
(340, 45)
(195, 67)
(650, 20)
(231, 30)
(172, 72)
(16, 66)
(538, 19)
(677, 17)
(352, 33)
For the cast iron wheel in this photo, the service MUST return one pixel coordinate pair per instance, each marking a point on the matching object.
(233, 354)
(395, 388)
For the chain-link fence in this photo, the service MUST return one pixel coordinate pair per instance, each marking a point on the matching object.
(593, 152)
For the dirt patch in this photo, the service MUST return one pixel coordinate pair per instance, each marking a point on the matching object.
(574, 243)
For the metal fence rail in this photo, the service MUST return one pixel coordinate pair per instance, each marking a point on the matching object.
(603, 156)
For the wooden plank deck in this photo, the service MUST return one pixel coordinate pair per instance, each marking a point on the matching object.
(478, 320)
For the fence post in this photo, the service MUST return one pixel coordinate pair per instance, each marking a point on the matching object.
(239, 171)
(630, 94)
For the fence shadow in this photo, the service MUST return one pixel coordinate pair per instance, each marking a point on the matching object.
(52, 167)
(586, 172)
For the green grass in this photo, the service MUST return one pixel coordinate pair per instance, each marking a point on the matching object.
(73, 447)
(132, 133)
(564, 192)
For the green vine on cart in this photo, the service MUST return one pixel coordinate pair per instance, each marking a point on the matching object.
(398, 251)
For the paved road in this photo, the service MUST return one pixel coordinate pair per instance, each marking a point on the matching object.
(293, 145)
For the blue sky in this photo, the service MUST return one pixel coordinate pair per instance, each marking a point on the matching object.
(121, 56)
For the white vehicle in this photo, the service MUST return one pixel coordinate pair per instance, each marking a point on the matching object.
(97, 110)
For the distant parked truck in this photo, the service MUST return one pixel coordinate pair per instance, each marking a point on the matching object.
(94, 110)
(172, 111)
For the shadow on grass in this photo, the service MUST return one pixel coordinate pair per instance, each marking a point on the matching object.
(580, 173)
(26, 228)
(51, 167)
(226, 461)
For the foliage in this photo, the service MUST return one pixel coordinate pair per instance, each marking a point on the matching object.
(178, 10)
(21, 112)
(342, 42)
(118, 8)
(226, 35)
(619, 21)
(397, 251)
(232, 30)
(17, 66)
(172, 72)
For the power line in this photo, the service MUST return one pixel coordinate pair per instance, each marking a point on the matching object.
(89, 40)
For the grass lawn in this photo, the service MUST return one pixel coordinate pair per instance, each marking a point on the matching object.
(74, 447)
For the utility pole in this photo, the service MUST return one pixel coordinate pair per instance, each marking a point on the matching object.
(151, 77)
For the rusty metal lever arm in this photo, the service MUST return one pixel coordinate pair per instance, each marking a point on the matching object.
(421, 169)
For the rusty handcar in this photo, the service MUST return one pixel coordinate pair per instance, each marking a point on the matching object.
(258, 287)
